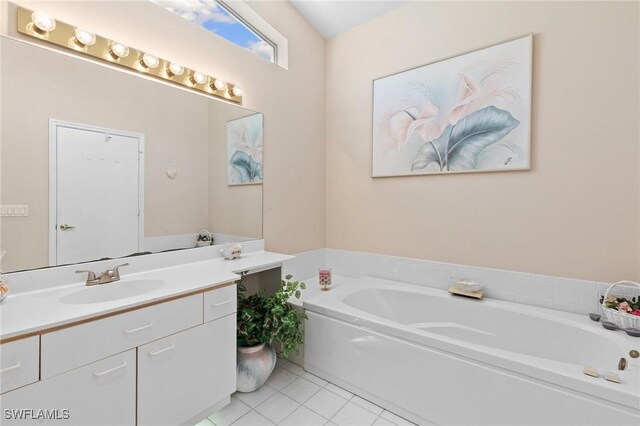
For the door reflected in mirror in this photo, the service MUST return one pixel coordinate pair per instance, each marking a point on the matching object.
(111, 164)
(96, 184)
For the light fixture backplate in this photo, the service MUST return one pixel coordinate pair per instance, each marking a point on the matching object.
(64, 35)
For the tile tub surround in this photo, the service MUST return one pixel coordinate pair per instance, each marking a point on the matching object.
(294, 397)
(561, 294)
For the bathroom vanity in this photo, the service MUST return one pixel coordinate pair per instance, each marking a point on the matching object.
(157, 347)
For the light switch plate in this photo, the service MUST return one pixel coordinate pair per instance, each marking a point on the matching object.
(14, 211)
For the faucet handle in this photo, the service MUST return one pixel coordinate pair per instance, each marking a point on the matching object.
(116, 271)
(91, 276)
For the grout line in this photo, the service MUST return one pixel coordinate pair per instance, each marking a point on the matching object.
(339, 409)
(289, 415)
(238, 419)
(301, 405)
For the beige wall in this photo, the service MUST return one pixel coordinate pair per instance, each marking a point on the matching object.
(575, 214)
(292, 100)
(237, 209)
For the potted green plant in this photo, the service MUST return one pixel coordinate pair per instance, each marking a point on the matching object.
(263, 320)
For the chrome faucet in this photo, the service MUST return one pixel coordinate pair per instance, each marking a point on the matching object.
(108, 276)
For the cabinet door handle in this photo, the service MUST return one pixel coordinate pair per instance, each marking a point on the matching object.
(215, 305)
(133, 330)
(13, 367)
(111, 370)
(168, 348)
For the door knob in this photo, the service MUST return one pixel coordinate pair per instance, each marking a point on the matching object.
(66, 227)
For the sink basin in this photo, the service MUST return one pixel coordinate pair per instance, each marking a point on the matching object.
(112, 291)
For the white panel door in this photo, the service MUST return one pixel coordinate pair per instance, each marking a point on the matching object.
(97, 194)
(183, 375)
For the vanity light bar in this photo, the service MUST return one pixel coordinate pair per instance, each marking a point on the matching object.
(43, 27)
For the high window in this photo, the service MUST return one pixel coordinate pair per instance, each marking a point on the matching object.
(227, 21)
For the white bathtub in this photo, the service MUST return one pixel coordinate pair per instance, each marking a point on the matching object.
(441, 359)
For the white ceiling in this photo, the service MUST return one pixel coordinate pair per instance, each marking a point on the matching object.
(332, 17)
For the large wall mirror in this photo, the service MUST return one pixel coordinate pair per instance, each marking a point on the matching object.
(98, 163)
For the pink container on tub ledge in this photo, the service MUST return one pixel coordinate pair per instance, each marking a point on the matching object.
(324, 278)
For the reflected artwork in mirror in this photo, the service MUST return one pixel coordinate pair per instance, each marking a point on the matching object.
(244, 150)
(100, 163)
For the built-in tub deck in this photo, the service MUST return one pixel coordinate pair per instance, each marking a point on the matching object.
(376, 320)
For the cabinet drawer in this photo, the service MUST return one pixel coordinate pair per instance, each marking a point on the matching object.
(73, 347)
(187, 373)
(102, 393)
(19, 363)
(220, 302)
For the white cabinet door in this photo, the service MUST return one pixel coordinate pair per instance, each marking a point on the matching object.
(19, 363)
(183, 375)
(102, 393)
(220, 302)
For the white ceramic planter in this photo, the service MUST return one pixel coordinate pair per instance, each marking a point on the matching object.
(255, 364)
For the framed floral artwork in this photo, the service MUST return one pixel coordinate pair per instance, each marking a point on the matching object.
(244, 150)
(468, 113)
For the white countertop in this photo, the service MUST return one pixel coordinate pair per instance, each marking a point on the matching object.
(34, 311)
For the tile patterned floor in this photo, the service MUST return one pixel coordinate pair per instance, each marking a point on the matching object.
(293, 397)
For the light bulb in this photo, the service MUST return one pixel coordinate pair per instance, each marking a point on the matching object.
(174, 69)
(85, 38)
(219, 85)
(42, 22)
(118, 50)
(235, 91)
(198, 78)
(149, 61)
